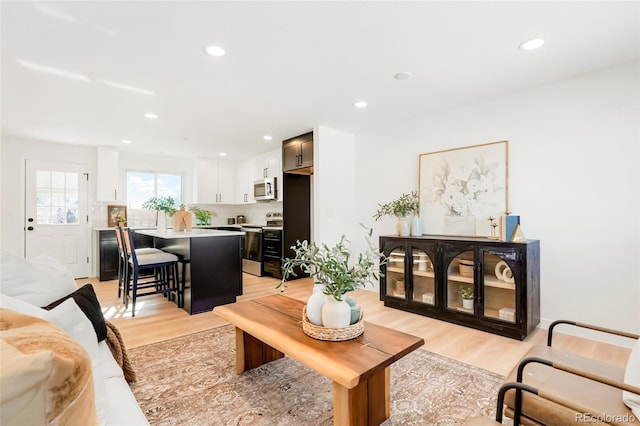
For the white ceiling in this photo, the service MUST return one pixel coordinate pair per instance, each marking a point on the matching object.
(289, 65)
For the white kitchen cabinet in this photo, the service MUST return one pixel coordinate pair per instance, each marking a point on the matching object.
(269, 165)
(215, 181)
(245, 173)
(108, 179)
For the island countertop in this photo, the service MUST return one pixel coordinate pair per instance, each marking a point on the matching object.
(194, 233)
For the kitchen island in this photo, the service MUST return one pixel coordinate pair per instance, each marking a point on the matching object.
(213, 261)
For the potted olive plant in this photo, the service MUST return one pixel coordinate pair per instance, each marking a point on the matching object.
(166, 205)
(334, 274)
(405, 205)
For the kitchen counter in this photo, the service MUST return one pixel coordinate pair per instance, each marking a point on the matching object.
(212, 264)
(194, 233)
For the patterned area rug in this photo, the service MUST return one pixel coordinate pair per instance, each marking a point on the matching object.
(191, 380)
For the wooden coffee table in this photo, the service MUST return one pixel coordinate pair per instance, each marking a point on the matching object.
(270, 327)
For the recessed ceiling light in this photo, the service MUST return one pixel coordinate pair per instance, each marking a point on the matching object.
(532, 44)
(404, 75)
(215, 50)
(267, 137)
(360, 104)
(126, 141)
(151, 116)
(223, 154)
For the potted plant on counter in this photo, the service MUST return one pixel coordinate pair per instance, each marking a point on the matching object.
(334, 274)
(121, 220)
(203, 216)
(166, 205)
(405, 205)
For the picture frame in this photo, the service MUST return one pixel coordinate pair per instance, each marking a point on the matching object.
(461, 188)
(113, 212)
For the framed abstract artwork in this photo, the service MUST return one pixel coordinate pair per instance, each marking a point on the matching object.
(461, 188)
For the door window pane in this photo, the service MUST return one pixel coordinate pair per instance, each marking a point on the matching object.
(57, 198)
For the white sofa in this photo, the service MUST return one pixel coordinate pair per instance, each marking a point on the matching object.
(25, 286)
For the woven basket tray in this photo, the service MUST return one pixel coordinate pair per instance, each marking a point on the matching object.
(331, 333)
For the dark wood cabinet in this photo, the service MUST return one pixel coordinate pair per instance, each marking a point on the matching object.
(297, 154)
(427, 275)
(108, 252)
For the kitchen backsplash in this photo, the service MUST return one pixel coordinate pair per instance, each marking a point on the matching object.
(254, 213)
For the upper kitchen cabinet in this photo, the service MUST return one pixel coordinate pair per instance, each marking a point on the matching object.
(215, 182)
(269, 165)
(297, 154)
(108, 180)
(245, 175)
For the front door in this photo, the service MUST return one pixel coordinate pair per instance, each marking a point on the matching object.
(56, 221)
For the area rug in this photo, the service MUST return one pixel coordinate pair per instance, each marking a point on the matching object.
(191, 380)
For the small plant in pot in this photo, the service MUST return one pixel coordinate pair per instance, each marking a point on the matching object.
(466, 292)
(405, 205)
(203, 216)
(334, 274)
(121, 220)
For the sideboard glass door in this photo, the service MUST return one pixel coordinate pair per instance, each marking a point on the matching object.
(395, 278)
(423, 278)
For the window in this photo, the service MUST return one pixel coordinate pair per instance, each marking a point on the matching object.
(57, 197)
(143, 185)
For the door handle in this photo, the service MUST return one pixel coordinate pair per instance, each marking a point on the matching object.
(29, 228)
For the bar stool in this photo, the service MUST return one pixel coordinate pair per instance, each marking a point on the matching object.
(123, 258)
(164, 281)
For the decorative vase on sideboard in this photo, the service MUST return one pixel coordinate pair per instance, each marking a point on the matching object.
(403, 227)
(416, 226)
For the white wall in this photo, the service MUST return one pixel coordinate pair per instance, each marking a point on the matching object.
(334, 185)
(14, 152)
(573, 179)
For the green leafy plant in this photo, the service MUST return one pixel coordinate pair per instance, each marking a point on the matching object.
(165, 204)
(403, 206)
(331, 266)
(121, 219)
(203, 216)
(466, 292)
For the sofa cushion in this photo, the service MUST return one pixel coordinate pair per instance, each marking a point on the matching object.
(86, 299)
(38, 281)
(72, 320)
(46, 375)
(632, 377)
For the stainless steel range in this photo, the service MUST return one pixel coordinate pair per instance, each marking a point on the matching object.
(262, 247)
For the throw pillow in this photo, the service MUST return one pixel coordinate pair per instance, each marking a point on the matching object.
(39, 281)
(87, 300)
(71, 319)
(46, 375)
(632, 377)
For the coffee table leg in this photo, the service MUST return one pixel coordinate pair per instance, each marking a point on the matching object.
(367, 404)
(252, 353)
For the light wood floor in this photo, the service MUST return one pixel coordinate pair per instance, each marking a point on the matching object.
(157, 319)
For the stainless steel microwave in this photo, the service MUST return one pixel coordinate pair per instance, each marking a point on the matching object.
(265, 189)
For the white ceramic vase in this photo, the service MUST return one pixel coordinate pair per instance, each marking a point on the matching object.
(336, 313)
(467, 303)
(403, 227)
(416, 226)
(315, 303)
(162, 221)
